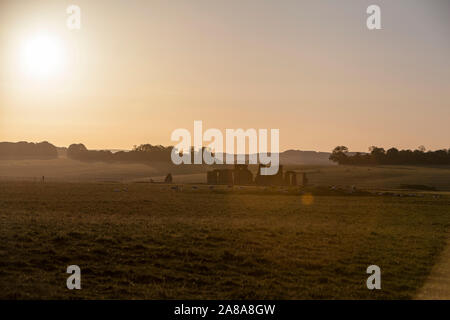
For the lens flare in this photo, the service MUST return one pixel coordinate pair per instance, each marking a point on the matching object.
(307, 199)
(42, 55)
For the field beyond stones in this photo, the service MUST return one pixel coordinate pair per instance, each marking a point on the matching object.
(147, 241)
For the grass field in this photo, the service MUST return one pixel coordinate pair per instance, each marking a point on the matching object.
(63, 170)
(144, 241)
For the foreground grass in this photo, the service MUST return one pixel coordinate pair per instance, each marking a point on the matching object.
(136, 241)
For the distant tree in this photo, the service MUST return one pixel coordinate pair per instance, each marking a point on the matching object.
(339, 149)
(393, 156)
(339, 155)
(378, 155)
(28, 150)
(76, 151)
(139, 154)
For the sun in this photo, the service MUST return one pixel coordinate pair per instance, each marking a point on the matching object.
(42, 56)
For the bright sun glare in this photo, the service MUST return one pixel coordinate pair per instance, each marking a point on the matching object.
(42, 56)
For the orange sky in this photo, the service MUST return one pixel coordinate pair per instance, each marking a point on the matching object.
(137, 70)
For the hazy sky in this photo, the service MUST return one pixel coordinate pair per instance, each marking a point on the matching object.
(137, 70)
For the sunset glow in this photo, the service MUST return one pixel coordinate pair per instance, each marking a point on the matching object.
(42, 56)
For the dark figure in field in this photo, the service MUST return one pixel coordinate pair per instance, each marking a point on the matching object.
(168, 178)
(43, 179)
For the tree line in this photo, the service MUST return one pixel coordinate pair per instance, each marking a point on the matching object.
(28, 150)
(393, 156)
(158, 153)
(141, 153)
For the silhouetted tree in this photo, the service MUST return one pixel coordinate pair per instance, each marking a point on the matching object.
(393, 156)
(141, 153)
(28, 150)
(339, 154)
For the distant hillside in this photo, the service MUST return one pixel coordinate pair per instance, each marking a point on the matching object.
(149, 154)
(305, 157)
(144, 153)
(298, 157)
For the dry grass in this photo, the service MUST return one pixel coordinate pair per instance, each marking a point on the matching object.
(147, 241)
(63, 170)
